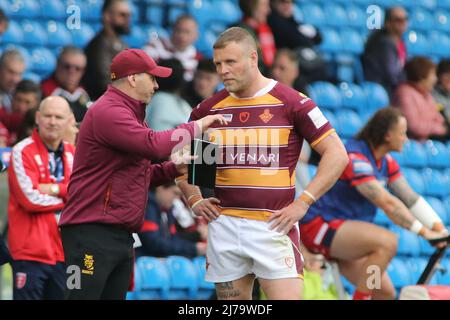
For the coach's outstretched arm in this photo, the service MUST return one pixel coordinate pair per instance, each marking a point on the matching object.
(333, 161)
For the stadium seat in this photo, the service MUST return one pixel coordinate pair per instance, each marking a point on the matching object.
(416, 265)
(155, 15)
(174, 13)
(335, 15)
(356, 17)
(348, 286)
(345, 67)
(414, 179)
(435, 182)
(82, 36)
(443, 4)
(446, 203)
(437, 154)
(331, 118)
(376, 95)
(92, 10)
(442, 20)
(352, 41)
(417, 44)
(444, 275)
(331, 40)
(137, 279)
(399, 273)
(408, 244)
(381, 218)
(298, 14)
(54, 9)
(349, 122)
(58, 34)
(183, 278)
(427, 4)
(398, 157)
(202, 12)
(205, 288)
(414, 154)
(313, 14)
(439, 207)
(137, 38)
(421, 19)
(227, 12)
(205, 43)
(352, 96)
(325, 94)
(13, 34)
(425, 248)
(312, 169)
(28, 75)
(439, 42)
(43, 61)
(28, 9)
(154, 279)
(33, 33)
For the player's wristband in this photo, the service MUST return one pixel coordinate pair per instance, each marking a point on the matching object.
(307, 198)
(194, 199)
(417, 227)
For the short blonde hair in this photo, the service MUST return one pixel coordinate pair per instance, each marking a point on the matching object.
(235, 34)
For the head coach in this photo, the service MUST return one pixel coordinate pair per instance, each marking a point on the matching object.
(112, 175)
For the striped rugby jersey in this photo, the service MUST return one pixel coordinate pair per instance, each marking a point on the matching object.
(260, 146)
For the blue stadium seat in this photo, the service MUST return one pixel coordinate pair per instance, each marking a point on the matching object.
(439, 207)
(202, 12)
(376, 95)
(416, 265)
(54, 9)
(382, 219)
(92, 10)
(155, 15)
(399, 273)
(34, 33)
(227, 12)
(439, 42)
(43, 61)
(24, 9)
(398, 157)
(427, 4)
(414, 179)
(135, 12)
(325, 94)
(352, 41)
(298, 14)
(442, 20)
(425, 248)
(335, 15)
(313, 14)
(331, 118)
(58, 34)
(435, 182)
(28, 75)
(421, 19)
(352, 96)
(437, 154)
(312, 169)
(13, 34)
(345, 67)
(154, 279)
(348, 286)
(414, 154)
(349, 122)
(446, 203)
(356, 16)
(174, 13)
(443, 4)
(408, 244)
(82, 36)
(331, 40)
(444, 277)
(205, 43)
(137, 279)
(417, 44)
(183, 278)
(205, 288)
(137, 38)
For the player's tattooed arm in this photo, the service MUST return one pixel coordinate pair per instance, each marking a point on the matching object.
(404, 192)
(390, 204)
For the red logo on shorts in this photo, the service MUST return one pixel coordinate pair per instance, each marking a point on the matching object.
(21, 280)
(244, 116)
(289, 262)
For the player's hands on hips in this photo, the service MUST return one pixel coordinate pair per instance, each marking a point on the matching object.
(283, 220)
(430, 235)
(206, 122)
(207, 208)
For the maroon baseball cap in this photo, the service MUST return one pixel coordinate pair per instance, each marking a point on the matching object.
(132, 61)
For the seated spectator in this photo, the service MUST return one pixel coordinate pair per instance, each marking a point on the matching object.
(203, 85)
(65, 81)
(4, 22)
(180, 45)
(286, 70)
(12, 66)
(441, 92)
(288, 33)
(167, 108)
(416, 102)
(158, 234)
(4, 136)
(255, 13)
(26, 97)
(385, 52)
(28, 125)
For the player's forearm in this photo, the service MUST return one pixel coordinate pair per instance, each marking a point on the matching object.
(189, 190)
(398, 212)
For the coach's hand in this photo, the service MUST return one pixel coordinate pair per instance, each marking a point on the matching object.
(283, 220)
(207, 208)
(206, 122)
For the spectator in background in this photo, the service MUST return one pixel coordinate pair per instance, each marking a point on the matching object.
(286, 70)
(255, 13)
(28, 124)
(158, 234)
(441, 91)
(12, 66)
(65, 81)
(39, 173)
(167, 108)
(4, 22)
(4, 136)
(385, 52)
(180, 45)
(289, 33)
(105, 45)
(26, 97)
(203, 85)
(416, 102)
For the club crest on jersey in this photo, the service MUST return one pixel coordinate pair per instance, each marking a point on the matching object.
(88, 264)
(21, 280)
(266, 116)
(244, 116)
